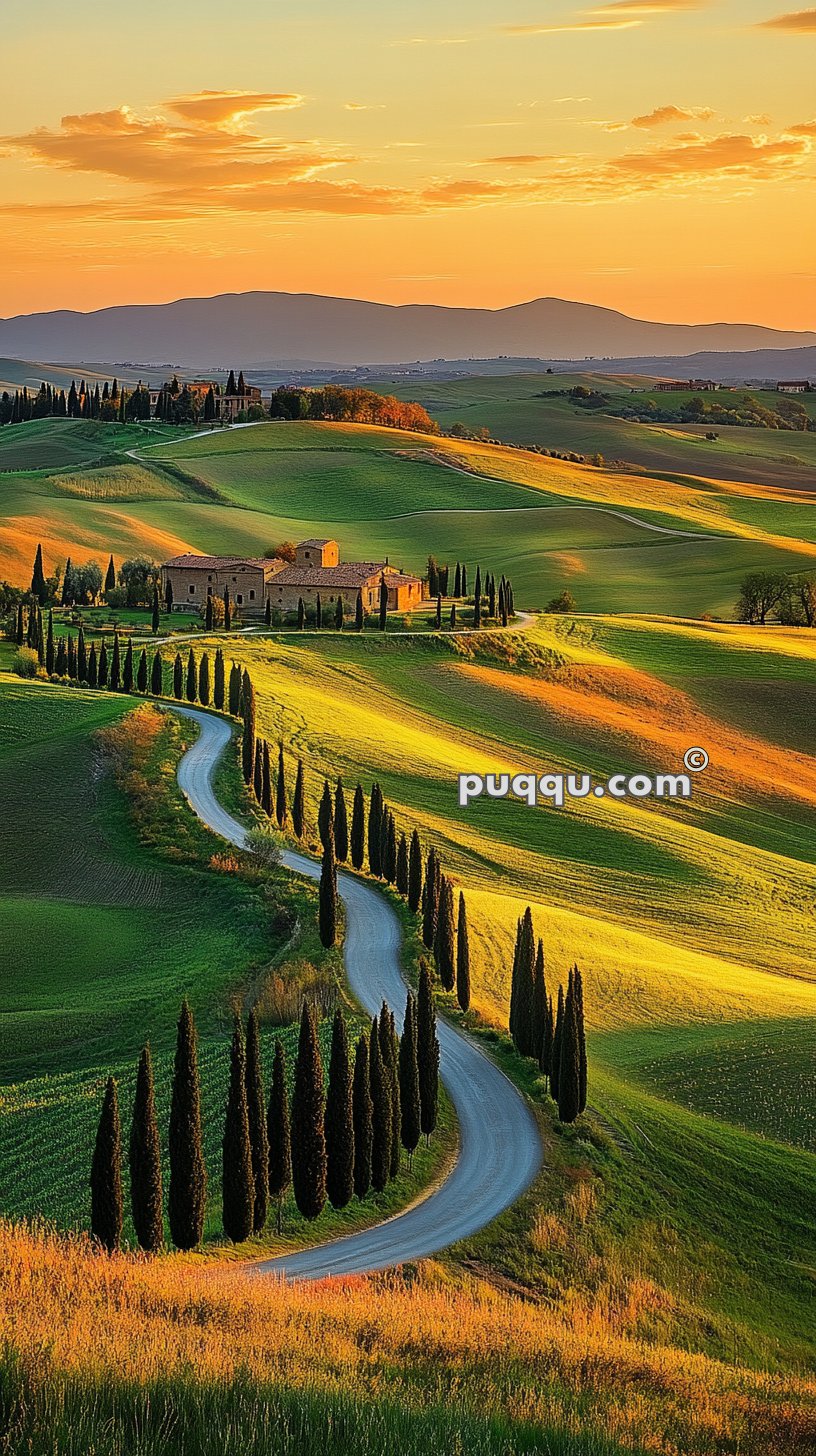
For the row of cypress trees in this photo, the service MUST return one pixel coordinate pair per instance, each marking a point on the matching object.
(556, 1040)
(331, 1141)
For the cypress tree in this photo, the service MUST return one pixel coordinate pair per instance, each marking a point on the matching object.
(409, 1080)
(339, 1120)
(268, 611)
(341, 837)
(555, 1052)
(383, 603)
(301, 614)
(50, 651)
(168, 596)
(256, 1118)
(327, 909)
(62, 658)
(384, 840)
(82, 656)
(444, 939)
(40, 643)
(389, 1044)
(266, 783)
(401, 873)
(235, 691)
(390, 855)
(156, 617)
(107, 1204)
(522, 991)
(462, 956)
(146, 1194)
(257, 771)
(278, 1133)
(248, 739)
(415, 873)
(430, 899)
(359, 613)
(192, 677)
(102, 674)
(325, 815)
(280, 789)
(208, 615)
(227, 610)
(188, 1175)
(457, 581)
(72, 661)
(438, 619)
(363, 1118)
(115, 667)
(19, 635)
(157, 675)
(569, 1071)
(93, 667)
(39, 588)
(338, 614)
(539, 1006)
(219, 681)
(178, 678)
(238, 1187)
(141, 672)
(578, 986)
(427, 1052)
(477, 599)
(318, 611)
(381, 1111)
(308, 1113)
(545, 1058)
(127, 670)
(375, 812)
(299, 802)
(358, 829)
(452, 618)
(204, 680)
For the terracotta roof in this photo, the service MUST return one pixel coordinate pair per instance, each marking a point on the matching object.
(347, 574)
(318, 541)
(191, 560)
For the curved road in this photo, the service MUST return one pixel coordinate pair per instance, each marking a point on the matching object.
(499, 1147)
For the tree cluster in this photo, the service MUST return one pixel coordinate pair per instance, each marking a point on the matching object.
(554, 1039)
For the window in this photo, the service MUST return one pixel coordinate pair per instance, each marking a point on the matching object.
(252, 596)
(209, 578)
(239, 599)
(209, 591)
(192, 591)
(307, 554)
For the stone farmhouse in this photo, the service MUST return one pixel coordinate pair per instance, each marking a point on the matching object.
(316, 571)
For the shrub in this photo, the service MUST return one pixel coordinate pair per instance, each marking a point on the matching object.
(25, 662)
(564, 602)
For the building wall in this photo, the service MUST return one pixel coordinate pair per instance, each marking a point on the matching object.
(192, 586)
(327, 553)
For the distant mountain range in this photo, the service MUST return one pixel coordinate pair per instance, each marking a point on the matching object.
(259, 329)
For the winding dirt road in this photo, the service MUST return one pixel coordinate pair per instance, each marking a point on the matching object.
(499, 1147)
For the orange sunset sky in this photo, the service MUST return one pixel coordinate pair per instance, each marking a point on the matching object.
(656, 156)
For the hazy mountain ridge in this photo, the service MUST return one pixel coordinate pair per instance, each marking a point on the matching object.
(253, 328)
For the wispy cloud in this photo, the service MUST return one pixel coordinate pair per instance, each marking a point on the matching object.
(620, 15)
(800, 22)
(363, 106)
(668, 115)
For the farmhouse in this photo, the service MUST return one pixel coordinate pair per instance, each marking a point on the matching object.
(793, 386)
(316, 571)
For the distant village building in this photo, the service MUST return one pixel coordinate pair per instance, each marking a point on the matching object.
(704, 386)
(794, 386)
(316, 570)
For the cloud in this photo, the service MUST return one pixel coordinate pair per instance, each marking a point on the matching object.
(667, 115)
(526, 159)
(620, 15)
(518, 30)
(363, 106)
(649, 7)
(803, 129)
(222, 106)
(800, 22)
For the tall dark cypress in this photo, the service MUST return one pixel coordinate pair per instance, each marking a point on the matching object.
(569, 1071)
(325, 815)
(522, 993)
(266, 782)
(208, 615)
(256, 1118)
(457, 581)
(257, 771)
(390, 851)
(107, 1204)
(39, 588)
(555, 1052)
(188, 1175)
(464, 579)
(219, 681)
(299, 802)
(157, 675)
(102, 672)
(50, 650)
(462, 955)
(539, 1007)
(430, 899)
(268, 611)
(384, 818)
(237, 1186)
(545, 1057)
(341, 835)
(235, 691)
(278, 1132)
(359, 612)
(280, 789)
(40, 642)
(375, 812)
(427, 1052)
(409, 1080)
(72, 659)
(444, 939)
(389, 1042)
(62, 658)
(415, 873)
(338, 614)
(438, 618)
(19, 635)
(146, 1194)
(401, 873)
(578, 986)
(127, 670)
(383, 603)
(308, 1114)
(318, 611)
(327, 908)
(156, 614)
(110, 577)
(178, 678)
(301, 614)
(379, 1079)
(93, 667)
(204, 680)
(477, 599)
(141, 672)
(192, 677)
(82, 656)
(357, 843)
(227, 610)
(248, 738)
(363, 1116)
(339, 1120)
(115, 679)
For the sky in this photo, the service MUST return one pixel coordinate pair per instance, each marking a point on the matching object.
(654, 156)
